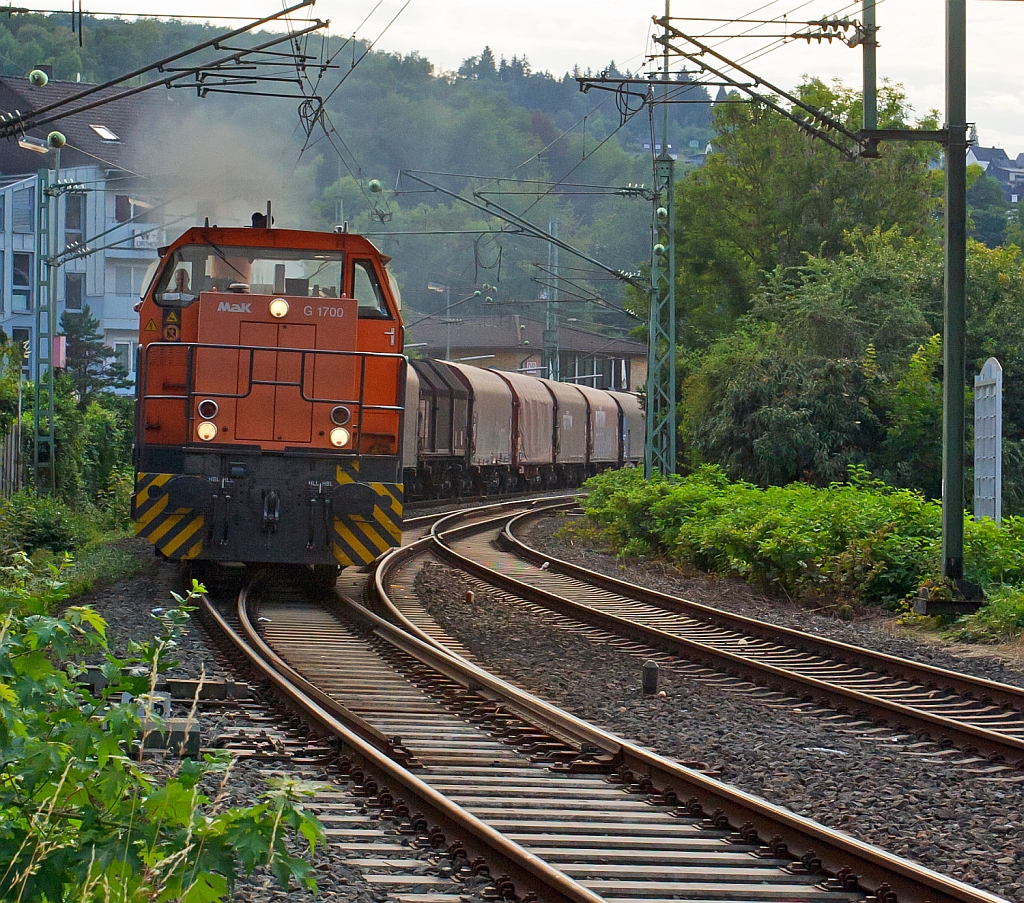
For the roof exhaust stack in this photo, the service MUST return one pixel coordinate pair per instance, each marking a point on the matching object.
(263, 221)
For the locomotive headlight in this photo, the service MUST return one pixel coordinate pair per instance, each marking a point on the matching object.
(207, 431)
(340, 415)
(278, 308)
(340, 436)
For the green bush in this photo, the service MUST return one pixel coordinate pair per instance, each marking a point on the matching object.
(80, 819)
(1000, 620)
(860, 541)
(114, 501)
(30, 522)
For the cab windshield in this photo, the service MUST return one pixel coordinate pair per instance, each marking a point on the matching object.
(260, 271)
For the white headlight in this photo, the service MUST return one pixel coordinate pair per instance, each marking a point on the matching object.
(340, 436)
(207, 431)
(278, 307)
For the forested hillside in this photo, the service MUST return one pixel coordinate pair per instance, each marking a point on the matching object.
(493, 119)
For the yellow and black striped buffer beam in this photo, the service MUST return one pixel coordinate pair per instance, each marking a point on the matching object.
(176, 533)
(360, 537)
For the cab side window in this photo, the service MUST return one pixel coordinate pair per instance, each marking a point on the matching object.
(366, 288)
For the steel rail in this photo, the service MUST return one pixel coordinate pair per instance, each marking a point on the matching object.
(879, 871)
(522, 866)
(965, 684)
(987, 742)
(993, 743)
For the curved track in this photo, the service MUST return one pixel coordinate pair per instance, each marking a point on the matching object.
(565, 810)
(975, 715)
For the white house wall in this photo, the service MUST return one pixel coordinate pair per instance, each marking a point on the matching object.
(118, 322)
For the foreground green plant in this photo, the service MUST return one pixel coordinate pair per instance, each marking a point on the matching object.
(80, 818)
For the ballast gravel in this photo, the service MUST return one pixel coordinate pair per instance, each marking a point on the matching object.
(918, 803)
(928, 809)
(132, 609)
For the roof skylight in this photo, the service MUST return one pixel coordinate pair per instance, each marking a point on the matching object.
(104, 132)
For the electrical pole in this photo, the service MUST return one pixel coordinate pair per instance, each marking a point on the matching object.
(47, 273)
(953, 138)
(44, 444)
(550, 315)
(660, 448)
(953, 348)
(869, 44)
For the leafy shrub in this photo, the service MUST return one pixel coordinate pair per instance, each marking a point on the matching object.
(79, 818)
(31, 522)
(114, 501)
(621, 500)
(1001, 619)
(856, 541)
(994, 553)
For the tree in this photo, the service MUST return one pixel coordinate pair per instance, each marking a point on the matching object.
(769, 195)
(843, 365)
(481, 67)
(88, 359)
(913, 443)
(988, 208)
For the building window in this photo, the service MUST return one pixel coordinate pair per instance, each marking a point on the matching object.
(128, 280)
(74, 220)
(123, 356)
(122, 280)
(24, 210)
(23, 337)
(3, 220)
(129, 208)
(74, 290)
(1014, 198)
(2, 277)
(21, 295)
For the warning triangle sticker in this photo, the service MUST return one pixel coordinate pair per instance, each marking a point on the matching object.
(150, 326)
(171, 317)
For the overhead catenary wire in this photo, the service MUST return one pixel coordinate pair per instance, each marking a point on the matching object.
(41, 115)
(764, 51)
(779, 42)
(134, 219)
(88, 251)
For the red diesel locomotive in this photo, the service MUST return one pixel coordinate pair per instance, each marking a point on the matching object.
(270, 391)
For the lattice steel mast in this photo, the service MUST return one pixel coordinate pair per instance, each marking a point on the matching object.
(660, 448)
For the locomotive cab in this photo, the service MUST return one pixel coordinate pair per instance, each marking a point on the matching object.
(270, 400)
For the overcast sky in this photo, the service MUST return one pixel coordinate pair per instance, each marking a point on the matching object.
(556, 34)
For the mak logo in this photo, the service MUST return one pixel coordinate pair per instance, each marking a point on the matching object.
(235, 308)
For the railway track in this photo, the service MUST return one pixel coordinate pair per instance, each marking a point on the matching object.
(980, 717)
(500, 784)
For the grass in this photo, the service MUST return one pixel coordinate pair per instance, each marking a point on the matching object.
(1001, 620)
(103, 563)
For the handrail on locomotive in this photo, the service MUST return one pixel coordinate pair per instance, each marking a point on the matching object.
(190, 393)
